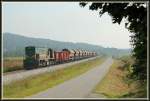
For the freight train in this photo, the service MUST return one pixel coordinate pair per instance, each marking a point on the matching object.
(36, 57)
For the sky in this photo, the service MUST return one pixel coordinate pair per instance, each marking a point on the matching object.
(63, 21)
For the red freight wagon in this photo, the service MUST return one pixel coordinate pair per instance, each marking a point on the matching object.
(65, 55)
(61, 56)
(58, 57)
(70, 54)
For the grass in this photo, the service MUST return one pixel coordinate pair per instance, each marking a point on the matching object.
(10, 58)
(12, 64)
(112, 84)
(44, 81)
(115, 84)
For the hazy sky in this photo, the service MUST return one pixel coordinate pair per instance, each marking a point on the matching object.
(63, 21)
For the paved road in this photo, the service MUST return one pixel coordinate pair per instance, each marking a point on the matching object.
(79, 87)
(14, 76)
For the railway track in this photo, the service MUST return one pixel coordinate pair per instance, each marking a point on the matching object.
(22, 74)
(13, 72)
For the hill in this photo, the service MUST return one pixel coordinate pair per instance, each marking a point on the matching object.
(13, 45)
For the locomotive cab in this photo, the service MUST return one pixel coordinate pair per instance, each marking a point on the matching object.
(30, 58)
(51, 54)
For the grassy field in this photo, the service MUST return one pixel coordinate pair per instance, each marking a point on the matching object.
(44, 81)
(12, 64)
(116, 85)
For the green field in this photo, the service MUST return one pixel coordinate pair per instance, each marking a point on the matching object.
(44, 81)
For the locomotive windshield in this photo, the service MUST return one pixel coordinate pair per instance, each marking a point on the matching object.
(29, 51)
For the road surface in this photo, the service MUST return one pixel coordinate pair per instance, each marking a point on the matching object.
(14, 76)
(79, 87)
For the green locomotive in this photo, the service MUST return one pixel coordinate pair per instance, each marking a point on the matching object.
(38, 57)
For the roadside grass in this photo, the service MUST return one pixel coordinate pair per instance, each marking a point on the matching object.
(12, 64)
(112, 84)
(116, 84)
(35, 84)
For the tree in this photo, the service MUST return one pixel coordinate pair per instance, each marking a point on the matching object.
(136, 17)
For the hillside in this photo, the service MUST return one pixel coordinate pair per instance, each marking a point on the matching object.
(13, 45)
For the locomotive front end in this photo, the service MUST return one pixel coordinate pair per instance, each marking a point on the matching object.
(30, 61)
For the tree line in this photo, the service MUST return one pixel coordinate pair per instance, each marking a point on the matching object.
(136, 16)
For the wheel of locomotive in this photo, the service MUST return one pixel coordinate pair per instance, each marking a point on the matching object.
(41, 63)
(45, 63)
(49, 62)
